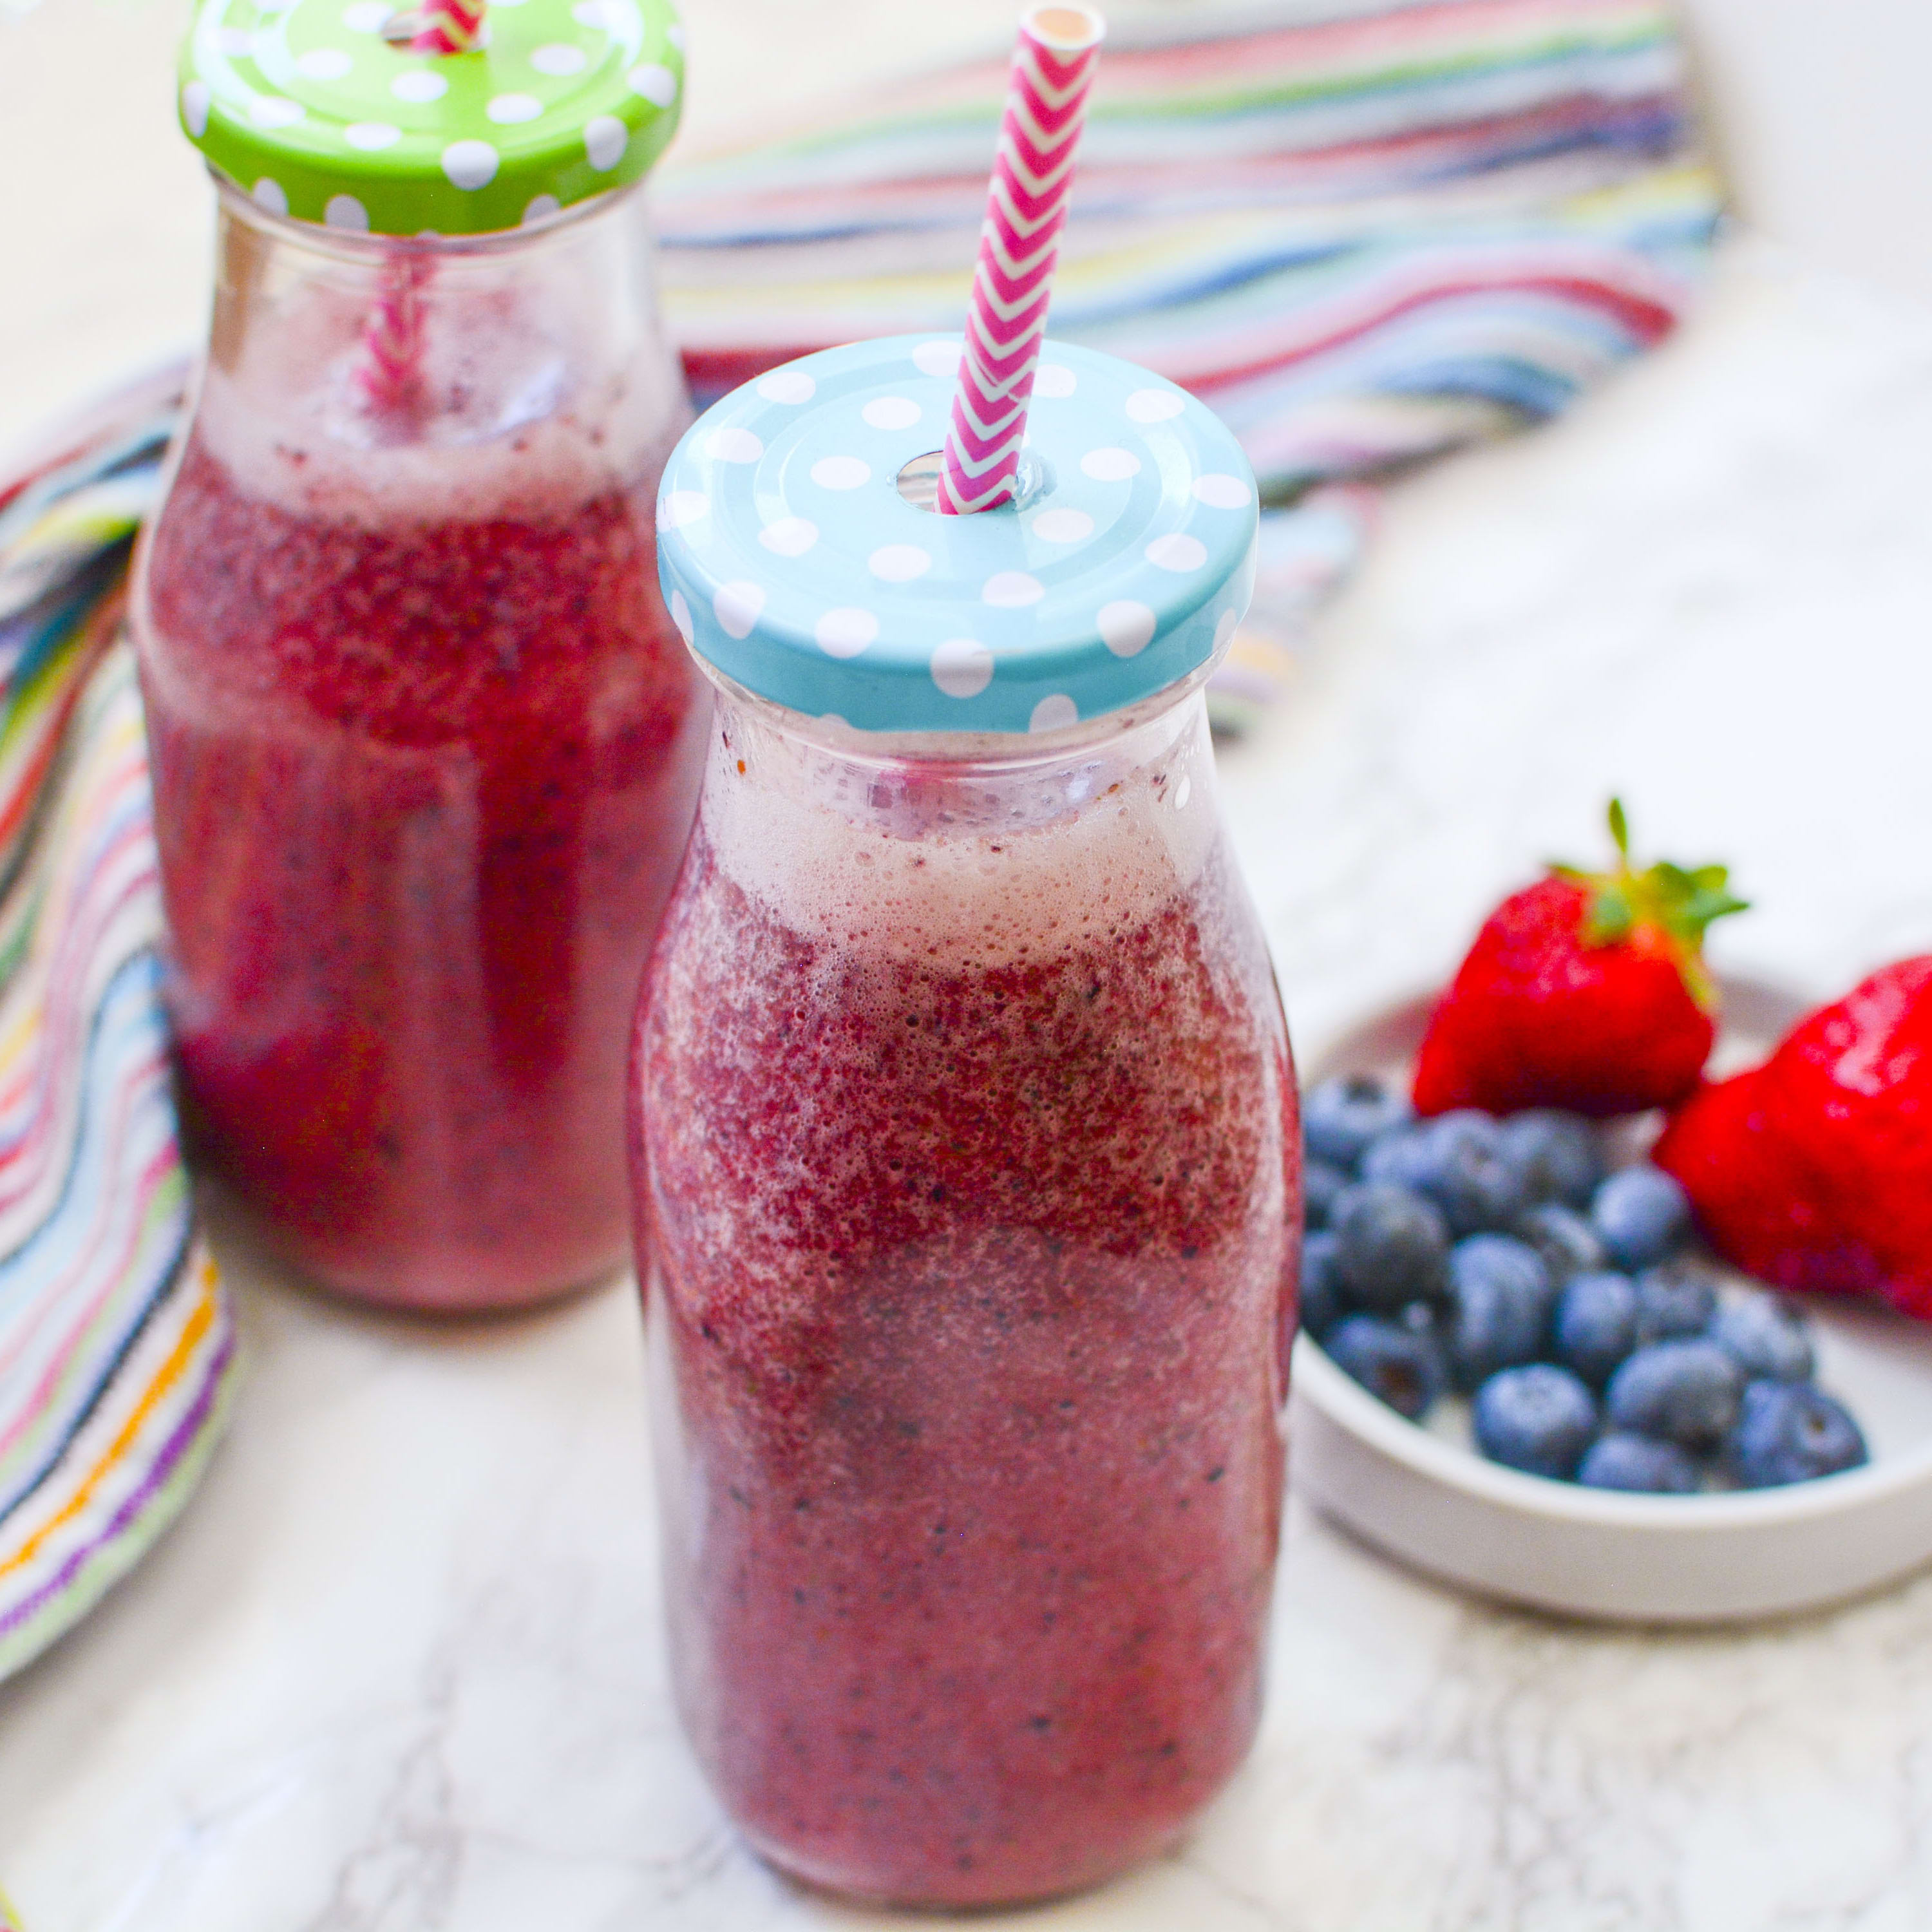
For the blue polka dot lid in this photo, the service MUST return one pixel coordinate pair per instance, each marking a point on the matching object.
(795, 560)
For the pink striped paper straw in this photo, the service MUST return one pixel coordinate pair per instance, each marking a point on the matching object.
(448, 26)
(1019, 244)
(387, 370)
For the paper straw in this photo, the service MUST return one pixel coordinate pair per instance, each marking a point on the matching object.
(1012, 281)
(388, 371)
(448, 27)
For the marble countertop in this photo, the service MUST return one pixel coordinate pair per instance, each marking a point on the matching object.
(400, 1670)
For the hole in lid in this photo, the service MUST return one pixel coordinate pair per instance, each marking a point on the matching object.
(401, 28)
(918, 481)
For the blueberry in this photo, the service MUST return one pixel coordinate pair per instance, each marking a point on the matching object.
(1323, 1303)
(1789, 1433)
(1674, 1302)
(1457, 1161)
(1393, 1248)
(1567, 1242)
(1500, 1299)
(1539, 1418)
(1766, 1333)
(1641, 1215)
(1620, 1461)
(1555, 1153)
(1320, 1182)
(1596, 1324)
(1403, 1366)
(1340, 1117)
(1684, 1392)
(1400, 1156)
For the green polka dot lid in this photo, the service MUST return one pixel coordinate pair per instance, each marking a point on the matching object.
(321, 110)
(795, 560)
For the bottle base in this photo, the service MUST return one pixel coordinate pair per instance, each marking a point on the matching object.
(984, 1891)
(449, 1285)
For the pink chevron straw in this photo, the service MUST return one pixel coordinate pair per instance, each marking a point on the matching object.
(387, 372)
(448, 26)
(1019, 246)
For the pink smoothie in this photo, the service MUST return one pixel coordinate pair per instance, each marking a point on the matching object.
(967, 1167)
(423, 766)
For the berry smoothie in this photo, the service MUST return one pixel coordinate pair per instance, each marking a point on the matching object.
(424, 748)
(967, 1161)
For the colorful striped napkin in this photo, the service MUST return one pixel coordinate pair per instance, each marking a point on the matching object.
(116, 1344)
(1364, 238)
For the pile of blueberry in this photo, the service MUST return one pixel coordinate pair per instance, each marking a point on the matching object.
(1499, 1259)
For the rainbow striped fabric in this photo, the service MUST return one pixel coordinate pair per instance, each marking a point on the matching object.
(117, 1347)
(1364, 238)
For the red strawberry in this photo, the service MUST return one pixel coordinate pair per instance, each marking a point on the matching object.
(1586, 991)
(1839, 1119)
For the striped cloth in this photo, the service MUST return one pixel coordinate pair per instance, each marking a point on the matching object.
(116, 1343)
(1364, 238)
(1364, 241)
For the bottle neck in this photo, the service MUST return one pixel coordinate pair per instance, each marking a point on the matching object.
(373, 342)
(918, 785)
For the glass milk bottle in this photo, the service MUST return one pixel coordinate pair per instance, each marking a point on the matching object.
(424, 741)
(966, 1159)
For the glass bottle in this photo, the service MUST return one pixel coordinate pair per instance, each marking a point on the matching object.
(424, 743)
(965, 1150)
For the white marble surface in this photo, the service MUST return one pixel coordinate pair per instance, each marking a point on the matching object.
(399, 1669)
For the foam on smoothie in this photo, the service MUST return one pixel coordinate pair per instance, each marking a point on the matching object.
(979, 897)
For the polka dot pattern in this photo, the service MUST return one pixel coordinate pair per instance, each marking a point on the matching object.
(841, 473)
(541, 208)
(1153, 406)
(1062, 527)
(1126, 628)
(1054, 380)
(1111, 582)
(891, 413)
(575, 82)
(787, 385)
(846, 631)
(961, 667)
(676, 508)
(605, 138)
(419, 86)
(1110, 465)
(1221, 492)
(323, 63)
(899, 563)
(790, 536)
(469, 164)
(737, 607)
(269, 194)
(1009, 590)
(345, 211)
(1177, 551)
(658, 85)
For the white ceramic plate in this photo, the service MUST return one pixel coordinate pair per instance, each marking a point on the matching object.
(1424, 1495)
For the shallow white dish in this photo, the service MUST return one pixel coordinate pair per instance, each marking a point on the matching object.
(1423, 1495)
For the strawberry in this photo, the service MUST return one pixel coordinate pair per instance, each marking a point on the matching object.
(1815, 1170)
(1586, 991)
